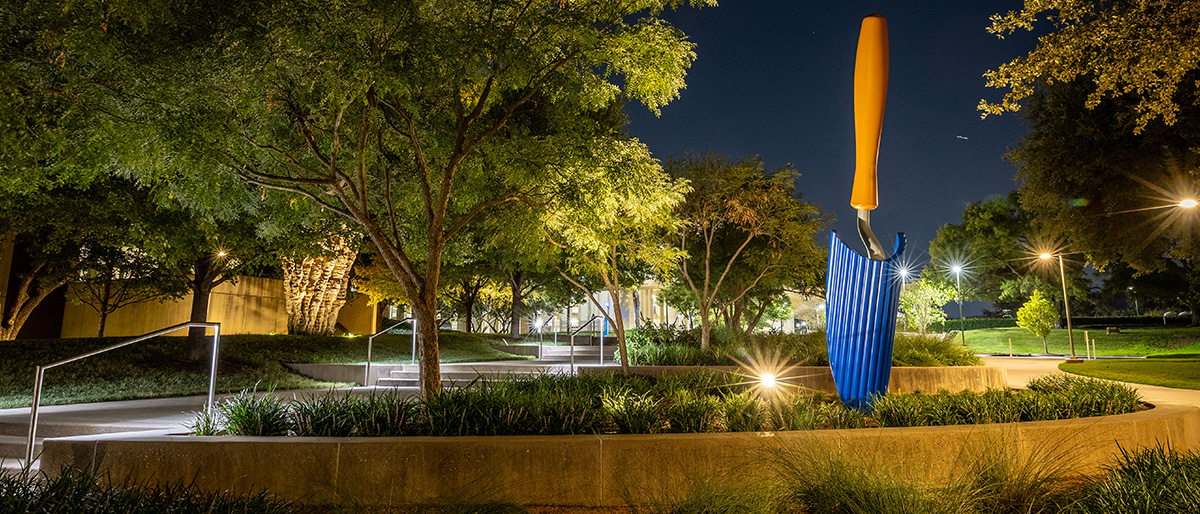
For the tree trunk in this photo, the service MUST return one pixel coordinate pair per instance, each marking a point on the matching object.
(469, 307)
(199, 346)
(425, 312)
(619, 321)
(18, 309)
(202, 284)
(516, 280)
(102, 305)
(637, 310)
(316, 288)
(705, 329)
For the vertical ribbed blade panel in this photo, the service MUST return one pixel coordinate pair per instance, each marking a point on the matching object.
(861, 298)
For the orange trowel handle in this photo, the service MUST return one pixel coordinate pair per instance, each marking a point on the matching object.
(870, 94)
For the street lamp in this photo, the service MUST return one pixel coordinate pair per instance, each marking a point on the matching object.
(1135, 304)
(1066, 303)
(1187, 204)
(962, 325)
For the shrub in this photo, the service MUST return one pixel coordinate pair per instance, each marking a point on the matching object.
(743, 412)
(633, 413)
(248, 413)
(1147, 480)
(1049, 397)
(691, 413)
(931, 350)
(972, 324)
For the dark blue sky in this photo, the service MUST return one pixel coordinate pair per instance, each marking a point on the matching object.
(775, 79)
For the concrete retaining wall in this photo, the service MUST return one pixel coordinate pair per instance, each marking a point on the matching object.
(595, 470)
(903, 379)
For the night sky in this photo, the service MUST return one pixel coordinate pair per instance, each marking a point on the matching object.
(775, 79)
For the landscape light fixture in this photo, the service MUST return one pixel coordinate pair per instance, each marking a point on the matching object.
(1066, 303)
(962, 324)
(767, 380)
(1187, 204)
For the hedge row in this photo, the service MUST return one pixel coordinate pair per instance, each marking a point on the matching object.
(972, 324)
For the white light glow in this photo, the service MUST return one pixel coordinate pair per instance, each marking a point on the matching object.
(767, 380)
(1045, 256)
(1187, 204)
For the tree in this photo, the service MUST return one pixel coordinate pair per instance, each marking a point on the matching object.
(1109, 194)
(316, 284)
(1038, 316)
(1133, 49)
(613, 218)
(747, 236)
(922, 301)
(112, 277)
(414, 119)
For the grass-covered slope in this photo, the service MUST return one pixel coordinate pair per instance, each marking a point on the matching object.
(156, 368)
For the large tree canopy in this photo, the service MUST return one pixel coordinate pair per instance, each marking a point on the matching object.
(407, 118)
(1110, 195)
(1145, 48)
(748, 239)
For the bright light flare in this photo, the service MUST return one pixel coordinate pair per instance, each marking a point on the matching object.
(1187, 204)
(767, 380)
(1045, 256)
(956, 268)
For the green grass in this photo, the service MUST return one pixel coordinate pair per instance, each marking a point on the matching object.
(156, 369)
(1138, 341)
(1170, 372)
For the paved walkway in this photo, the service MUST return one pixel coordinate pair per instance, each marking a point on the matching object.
(175, 413)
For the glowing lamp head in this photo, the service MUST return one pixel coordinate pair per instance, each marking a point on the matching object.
(1045, 256)
(1187, 204)
(956, 269)
(767, 380)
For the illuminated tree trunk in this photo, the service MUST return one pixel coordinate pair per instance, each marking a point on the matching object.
(316, 288)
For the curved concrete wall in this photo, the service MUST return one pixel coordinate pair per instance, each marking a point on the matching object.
(903, 379)
(595, 470)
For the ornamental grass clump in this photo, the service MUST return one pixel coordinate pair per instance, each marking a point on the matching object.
(248, 413)
(1047, 398)
(84, 492)
(1147, 480)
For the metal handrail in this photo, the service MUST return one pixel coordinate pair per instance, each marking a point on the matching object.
(40, 372)
(587, 323)
(371, 341)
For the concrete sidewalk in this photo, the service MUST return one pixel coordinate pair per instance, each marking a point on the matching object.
(170, 415)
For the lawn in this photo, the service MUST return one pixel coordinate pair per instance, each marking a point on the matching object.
(1182, 373)
(1140, 341)
(155, 369)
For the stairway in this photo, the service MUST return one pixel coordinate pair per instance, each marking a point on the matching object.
(458, 375)
(584, 354)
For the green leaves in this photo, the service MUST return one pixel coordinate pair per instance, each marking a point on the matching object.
(1142, 49)
(1038, 315)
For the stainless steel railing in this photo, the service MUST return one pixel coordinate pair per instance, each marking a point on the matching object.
(371, 342)
(576, 331)
(40, 373)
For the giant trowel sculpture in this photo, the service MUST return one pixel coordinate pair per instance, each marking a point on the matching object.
(862, 293)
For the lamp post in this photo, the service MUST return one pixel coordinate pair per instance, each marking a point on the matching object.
(1066, 303)
(1135, 304)
(962, 324)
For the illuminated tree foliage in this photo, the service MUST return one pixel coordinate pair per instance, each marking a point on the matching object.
(1148, 49)
(613, 217)
(748, 238)
(1038, 316)
(407, 118)
(923, 299)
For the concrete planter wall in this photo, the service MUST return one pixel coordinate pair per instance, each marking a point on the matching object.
(903, 379)
(593, 470)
